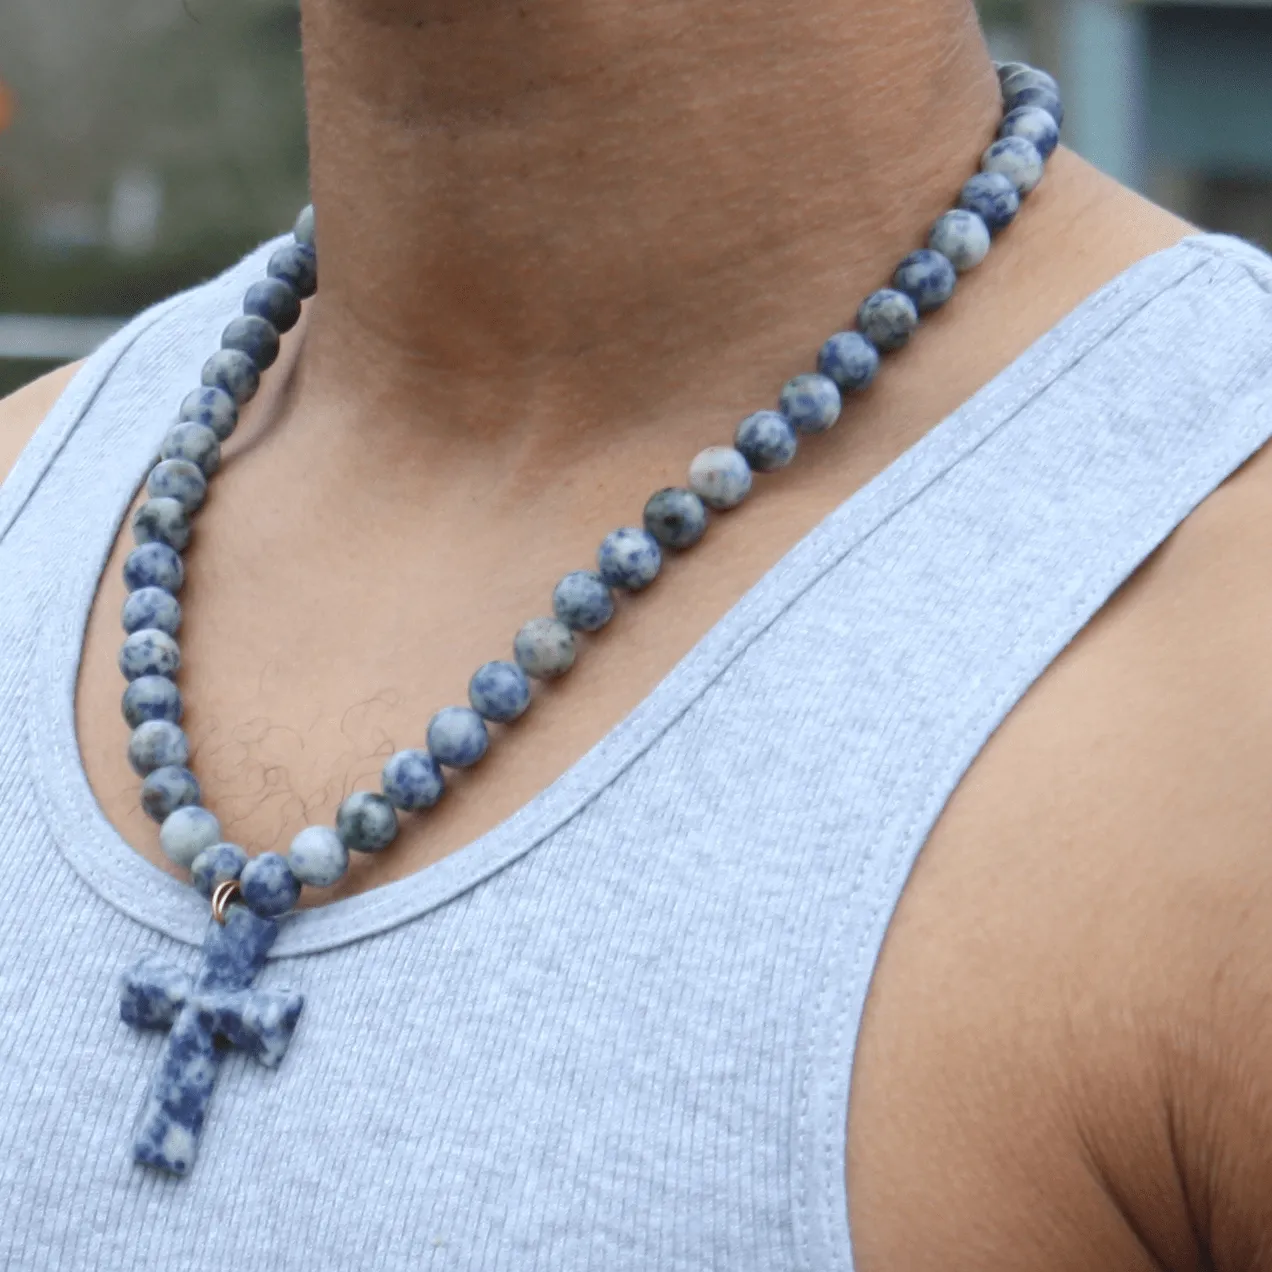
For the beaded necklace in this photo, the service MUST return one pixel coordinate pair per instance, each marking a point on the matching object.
(220, 1007)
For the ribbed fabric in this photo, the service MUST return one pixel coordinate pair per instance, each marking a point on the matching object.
(617, 1031)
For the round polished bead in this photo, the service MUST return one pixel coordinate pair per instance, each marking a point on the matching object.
(849, 359)
(303, 230)
(457, 737)
(195, 442)
(412, 780)
(167, 789)
(154, 565)
(162, 521)
(178, 479)
(233, 371)
(582, 600)
(215, 865)
(720, 477)
(1007, 69)
(149, 652)
(544, 648)
(1021, 77)
(499, 691)
(317, 857)
(152, 698)
(766, 440)
(962, 238)
(255, 337)
(151, 607)
(888, 318)
(812, 402)
(1039, 97)
(366, 822)
(928, 278)
(187, 833)
(274, 301)
(297, 266)
(211, 407)
(993, 198)
(1018, 160)
(676, 517)
(629, 558)
(1033, 125)
(157, 744)
(269, 887)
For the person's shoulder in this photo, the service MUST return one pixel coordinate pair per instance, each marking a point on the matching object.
(22, 413)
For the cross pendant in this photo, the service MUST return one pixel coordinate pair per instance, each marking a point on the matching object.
(202, 1017)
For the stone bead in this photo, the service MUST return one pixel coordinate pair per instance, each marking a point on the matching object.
(1038, 97)
(162, 521)
(303, 230)
(187, 833)
(218, 864)
(269, 887)
(412, 780)
(252, 335)
(1033, 125)
(154, 565)
(1018, 160)
(928, 278)
(317, 857)
(544, 648)
(583, 601)
(233, 371)
(812, 402)
(850, 360)
(457, 737)
(629, 558)
(167, 789)
(1019, 77)
(151, 607)
(1007, 69)
(297, 266)
(152, 698)
(149, 652)
(962, 238)
(888, 319)
(274, 301)
(993, 198)
(676, 517)
(158, 744)
(499, 691)
(720, 477)
(178, 479)
(766, 440)
(366, 822)
(211, 407)
(194, 442)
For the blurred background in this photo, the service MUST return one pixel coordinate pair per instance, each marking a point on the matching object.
(145, 144)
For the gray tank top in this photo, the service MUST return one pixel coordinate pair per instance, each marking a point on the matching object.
(617, 1031)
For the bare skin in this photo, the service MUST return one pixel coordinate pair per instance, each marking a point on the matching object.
(565, 248)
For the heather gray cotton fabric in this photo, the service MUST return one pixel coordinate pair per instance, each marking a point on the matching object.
(616, 1032)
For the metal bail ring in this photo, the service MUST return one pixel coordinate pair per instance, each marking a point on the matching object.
(222, 897)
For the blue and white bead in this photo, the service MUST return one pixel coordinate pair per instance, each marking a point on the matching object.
(766, 440)
(167, 789)
(151, 607)
(303, 230)
(629, 558)
(149, 652)
(812, 402)
(153, 565)
(676, 517)
(928, 278)
(213, 408)
(544, 648)
(412, 779)
(720, 477)
(162, 521)
(499, 691)
(157, 744)
(297, 266)
(1018, 160)
(187, 833)
(152, 698)
(850, 360)
(233, 371)
(888, 319)
(274, 301)
(318, 857)
(366, 822)
(195, 442)
(1034, 125)
(255, 337)
(962, 238)
(582, 600)
(993, 198)
(216, 864)
(269, 887)
(178, 479)
(457, 737)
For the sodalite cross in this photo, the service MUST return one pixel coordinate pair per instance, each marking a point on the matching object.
(201, 1016)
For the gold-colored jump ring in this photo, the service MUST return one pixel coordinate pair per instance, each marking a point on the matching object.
(222, 896)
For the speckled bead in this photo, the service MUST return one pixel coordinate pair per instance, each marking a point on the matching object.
(498, 691)
(720, 477)
(297, 266)
(850, 360)
(154, 565)
(993, 198)
(189, 832)
(583, 601)
(629, 558)
(317, 857)
(157, 744)
(151, 698)
(811, 402)
(457, 737)
(151, 607)
(269, 887)
(1020, 76)
(544, 648)
(962, 238)
(233, 371)
(1034, 125)
(167, 789)
(149, 652)
(274, 301)
(1007, 69)
(412, 780)
(766, 440)
(178, 479)
(162, 521)
(928, 278)
(216, 864)
(366, 822)
(1038, 97)
(1018, 160)
(211, 407)
(255, 337)
(676, 517)
(888, 319)
(303, 230)
(194, 442)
